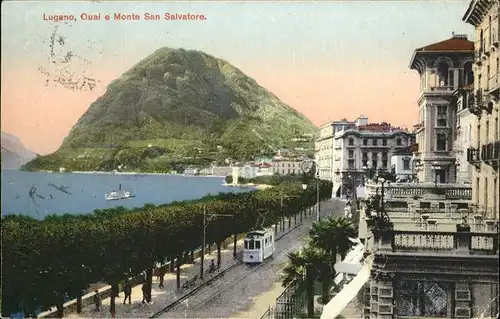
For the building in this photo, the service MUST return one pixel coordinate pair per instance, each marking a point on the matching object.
(444, 67)
(366, 146)
(402, 164)
(462, 100)
(434, 253)
(485, 152)
(431, 257)
(287, 165)
(325, 146)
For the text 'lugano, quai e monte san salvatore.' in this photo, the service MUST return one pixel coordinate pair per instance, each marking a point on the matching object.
(172, 16)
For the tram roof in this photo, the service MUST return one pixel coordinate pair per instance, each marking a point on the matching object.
(257, 233)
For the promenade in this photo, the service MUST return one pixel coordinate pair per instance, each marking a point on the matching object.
(161, 297)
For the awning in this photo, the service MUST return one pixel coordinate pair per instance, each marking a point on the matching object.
(333, 308)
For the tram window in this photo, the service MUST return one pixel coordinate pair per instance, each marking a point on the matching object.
(250, 244)
(265, 242)
(257, 244)
(246, 244)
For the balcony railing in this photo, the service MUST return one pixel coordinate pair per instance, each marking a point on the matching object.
(477, 56)
(494, 38)
(473, 156)
(442, 88)
(494, 83)
(410, 190)
(490, 153)
(455, 243)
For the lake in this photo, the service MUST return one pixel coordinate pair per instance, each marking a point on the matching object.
(78, 193)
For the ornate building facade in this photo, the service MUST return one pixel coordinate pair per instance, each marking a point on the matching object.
(485, 153)
(444, 67)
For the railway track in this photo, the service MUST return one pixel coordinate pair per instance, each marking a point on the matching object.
(238, 275)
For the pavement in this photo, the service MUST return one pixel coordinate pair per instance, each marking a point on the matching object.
(162, 297)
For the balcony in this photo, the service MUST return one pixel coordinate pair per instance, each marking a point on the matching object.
(490, 154)
(449, 243)
(480, 102)
(494, 38)
(494, 84)
(398, 191)
(473, 156)
(447, 89)
(477, 56)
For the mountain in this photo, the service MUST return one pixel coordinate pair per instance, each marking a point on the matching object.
(179, 107)
(14, 154)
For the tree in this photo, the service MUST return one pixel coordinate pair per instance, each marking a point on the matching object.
(309, 263)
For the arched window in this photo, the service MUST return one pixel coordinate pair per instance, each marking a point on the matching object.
(442, 73)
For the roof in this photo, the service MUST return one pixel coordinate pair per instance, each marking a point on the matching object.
(477, 11)
(378, 127)
(457, 43)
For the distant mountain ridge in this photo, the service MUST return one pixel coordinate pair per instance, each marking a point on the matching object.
(178, 107)
(14, 154)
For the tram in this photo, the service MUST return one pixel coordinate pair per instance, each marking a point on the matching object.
(258, 246)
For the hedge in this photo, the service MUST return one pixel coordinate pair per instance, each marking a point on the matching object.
(43, 261)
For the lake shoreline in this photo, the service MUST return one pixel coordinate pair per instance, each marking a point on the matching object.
(249, 185)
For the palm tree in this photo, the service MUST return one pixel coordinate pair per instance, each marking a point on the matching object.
(343, 230)
(311, 263)
(331, 236)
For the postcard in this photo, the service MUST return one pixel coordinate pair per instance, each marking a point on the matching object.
(250, 159)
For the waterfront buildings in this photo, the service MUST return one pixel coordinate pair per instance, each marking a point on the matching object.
(346, 150)
(485, 153)
(289, 165)
(325, 145)
(434, 253)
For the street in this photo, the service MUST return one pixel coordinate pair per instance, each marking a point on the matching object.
(240, 289)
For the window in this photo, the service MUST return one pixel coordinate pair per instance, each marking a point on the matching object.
(251, 244)
(374, 164)
(365, 155)
(496, 128)
(485, 192)
(384, 142)
(350, 164)
(423, 299)
(384, 163)
(351, 153)
(442, 122)
(351, 141)
(406, 164)
(374, 141)
(257, 244)
(487, 136)
(246, 244)
(477, 190)
(441, 142)
(384, 155)
(398, 142)
(442, 115)
(365, 141)
(365, 163)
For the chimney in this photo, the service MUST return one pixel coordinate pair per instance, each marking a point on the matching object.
(459, 36)
(362, 120)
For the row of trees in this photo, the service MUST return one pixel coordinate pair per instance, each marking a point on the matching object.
(44, 261)
(328, 240)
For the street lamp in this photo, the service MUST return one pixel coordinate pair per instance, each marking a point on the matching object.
(205, 224)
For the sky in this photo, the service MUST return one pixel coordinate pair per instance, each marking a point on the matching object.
(327, 59)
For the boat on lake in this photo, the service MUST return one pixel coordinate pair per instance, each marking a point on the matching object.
(119, 194)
